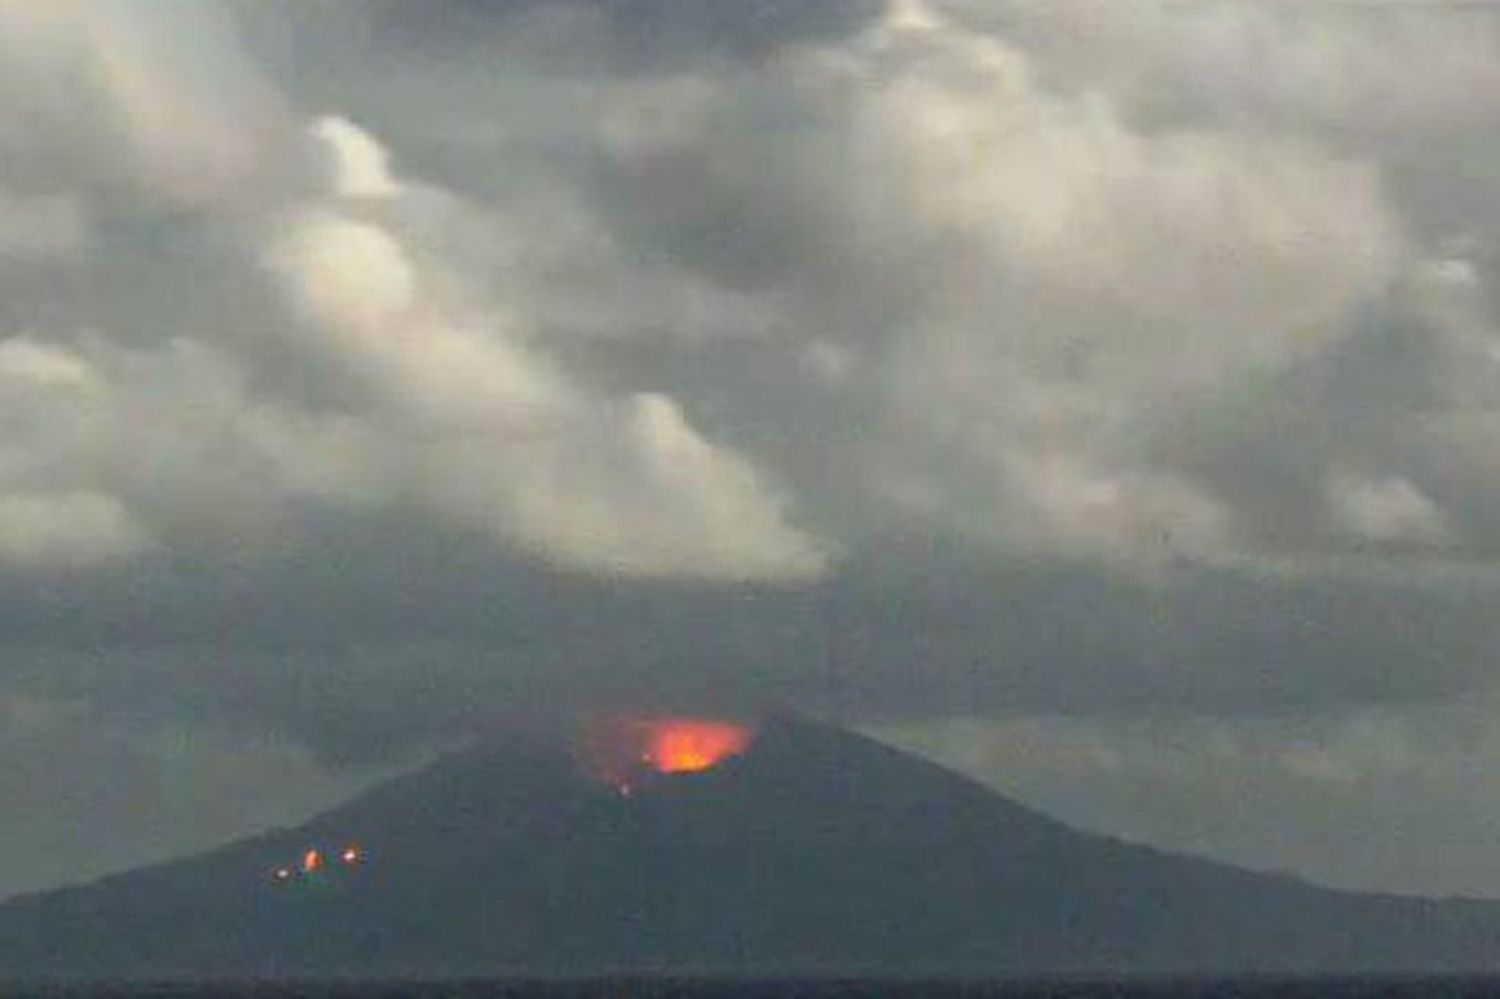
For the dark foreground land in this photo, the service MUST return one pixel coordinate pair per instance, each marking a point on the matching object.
(815, 852)
(1250, 987)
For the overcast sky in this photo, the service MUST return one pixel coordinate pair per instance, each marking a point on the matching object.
(1102, 396)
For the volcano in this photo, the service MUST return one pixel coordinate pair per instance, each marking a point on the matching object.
(806, 851)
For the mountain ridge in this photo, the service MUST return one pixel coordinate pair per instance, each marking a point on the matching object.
(816, 851)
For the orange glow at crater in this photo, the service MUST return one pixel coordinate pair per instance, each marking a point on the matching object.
(684, 746)
(311, 861)
(617, 749)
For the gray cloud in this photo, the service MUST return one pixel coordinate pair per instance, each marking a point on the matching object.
(364, 657)
(640, 34)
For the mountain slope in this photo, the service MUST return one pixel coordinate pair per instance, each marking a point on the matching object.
(815, 851)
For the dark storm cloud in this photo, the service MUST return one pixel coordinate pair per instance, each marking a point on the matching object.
(644, 32)
(365, 659)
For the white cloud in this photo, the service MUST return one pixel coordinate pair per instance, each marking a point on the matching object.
(1160, 260)
(703, 511)
(66, 530)
(1047, 278)
(26, 361)
(359, 165)
(1386, 510)
(97, 441)
(495, 437)
(348, 276)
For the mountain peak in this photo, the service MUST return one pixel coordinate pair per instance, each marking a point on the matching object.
(798, 848)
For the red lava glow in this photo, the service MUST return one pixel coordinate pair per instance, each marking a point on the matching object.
(312, 860)
(684, 746)
(618, 749)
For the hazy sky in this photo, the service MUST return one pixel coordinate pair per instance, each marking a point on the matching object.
(1100, 395)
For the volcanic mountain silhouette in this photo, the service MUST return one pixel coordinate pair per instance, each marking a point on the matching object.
(814, 852)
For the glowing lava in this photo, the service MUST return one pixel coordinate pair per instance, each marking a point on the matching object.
(314, 859)
(618, 750)
(684, 746)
